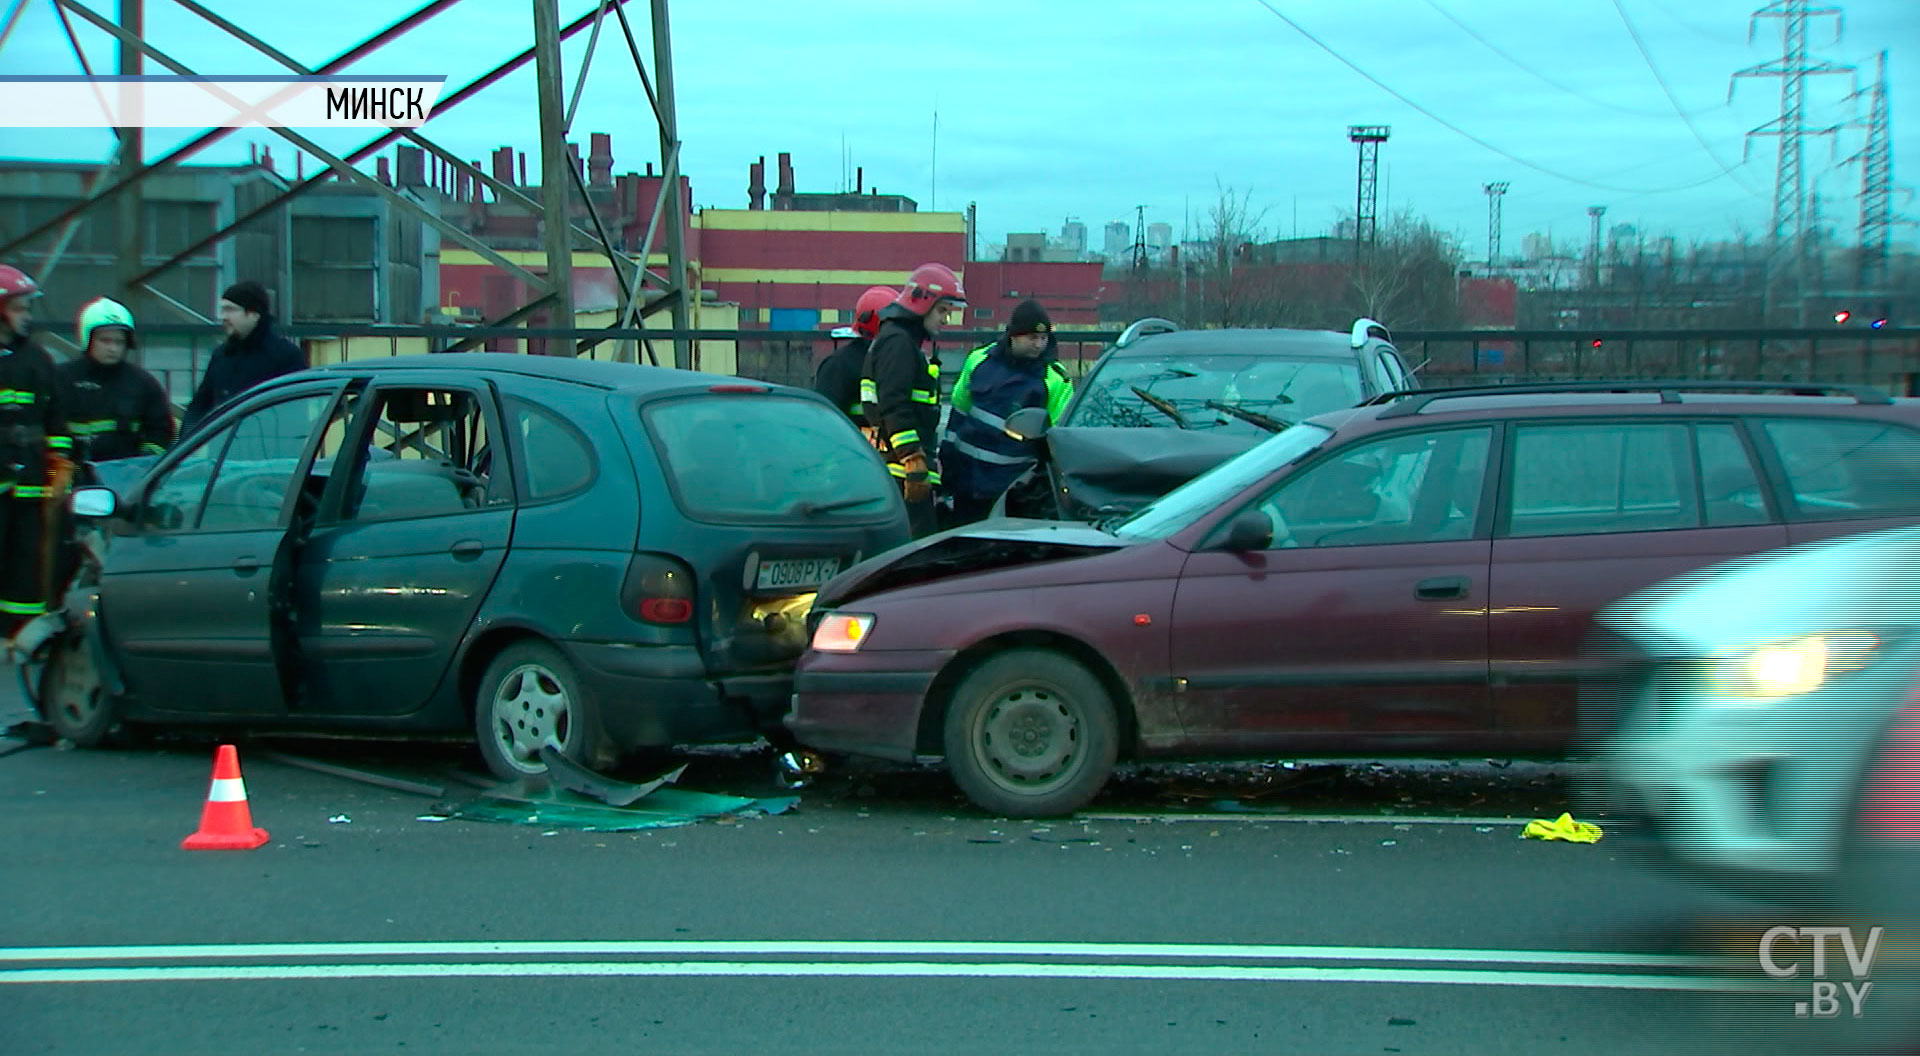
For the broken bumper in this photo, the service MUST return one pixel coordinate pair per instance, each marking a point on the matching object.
(864, 705)
(659, 696)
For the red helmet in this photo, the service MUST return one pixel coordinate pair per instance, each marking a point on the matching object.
(14, 283)
(929, 285)
(866, 310)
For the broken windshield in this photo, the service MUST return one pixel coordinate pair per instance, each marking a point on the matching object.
(1220, 393)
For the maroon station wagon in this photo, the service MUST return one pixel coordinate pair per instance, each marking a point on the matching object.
(1412, 577)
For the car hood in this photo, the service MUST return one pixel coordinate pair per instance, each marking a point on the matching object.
(1859, 582)
(982, 547)
(1126, 468)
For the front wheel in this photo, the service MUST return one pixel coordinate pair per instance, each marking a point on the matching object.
(74, 702)
(530, 698)
(1031, 733)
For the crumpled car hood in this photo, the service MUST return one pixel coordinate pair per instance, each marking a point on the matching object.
(1127, 468)
(996, 544)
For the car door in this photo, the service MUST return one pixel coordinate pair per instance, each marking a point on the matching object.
(410, 537)
(1842, 476)
(1363, 625)
(1592, 511)
(186, 594)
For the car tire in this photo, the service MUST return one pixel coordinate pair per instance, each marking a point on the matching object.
(72, 699)
(530, 696)
(1031, 733)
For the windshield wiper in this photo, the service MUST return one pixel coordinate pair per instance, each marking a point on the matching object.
(1271, 425)
(813, 509)
(1162, 406)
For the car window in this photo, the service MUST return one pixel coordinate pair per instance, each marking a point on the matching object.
(1841, 469)
(1418, 488)
(257, 471)
(768, 459)
(558, 460)
(1730, 490)
(1188, 503)
(1592, 478)
(427, 456)
(1204, 391)
(1392, 370)
(173, 501)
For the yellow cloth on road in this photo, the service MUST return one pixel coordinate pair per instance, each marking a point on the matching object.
(1562, 828)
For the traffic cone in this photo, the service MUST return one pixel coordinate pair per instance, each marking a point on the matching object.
(225, 823)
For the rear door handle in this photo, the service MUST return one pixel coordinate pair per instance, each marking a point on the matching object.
(1443, 588)
(246, 566)
(467, 549)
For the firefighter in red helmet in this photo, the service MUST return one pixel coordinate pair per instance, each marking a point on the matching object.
(838, 378)
(900, 387)
(34, 463)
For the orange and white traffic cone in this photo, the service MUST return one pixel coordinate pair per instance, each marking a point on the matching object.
(226, 824)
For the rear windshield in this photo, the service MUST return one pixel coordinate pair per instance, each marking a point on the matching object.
(1225, 394)
(760, 459)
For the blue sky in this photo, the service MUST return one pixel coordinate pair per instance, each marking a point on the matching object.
(1087, 108)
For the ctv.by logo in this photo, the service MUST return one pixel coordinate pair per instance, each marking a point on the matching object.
(1825, 1000)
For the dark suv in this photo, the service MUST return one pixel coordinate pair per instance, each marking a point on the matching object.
(1412, 577)
(601, 556)
(1164, 405)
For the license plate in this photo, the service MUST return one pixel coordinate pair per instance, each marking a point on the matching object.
(808, 572)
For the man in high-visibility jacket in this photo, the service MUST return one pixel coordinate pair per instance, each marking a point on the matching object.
(979, 460)
(900, 388)
(34, 463)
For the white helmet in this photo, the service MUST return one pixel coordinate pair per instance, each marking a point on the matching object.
(104, 313)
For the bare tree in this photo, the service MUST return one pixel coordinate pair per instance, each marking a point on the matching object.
(1233, 295)
(1411, 276)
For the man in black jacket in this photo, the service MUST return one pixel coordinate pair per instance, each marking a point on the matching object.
(838, 378)
(115, 408)
(900, 388)
(34, 464)
(251, 354)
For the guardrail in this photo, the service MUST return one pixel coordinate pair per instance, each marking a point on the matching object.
(1889, 358)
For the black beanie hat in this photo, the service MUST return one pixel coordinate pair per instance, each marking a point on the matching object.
(249, 295)
(1029, 318)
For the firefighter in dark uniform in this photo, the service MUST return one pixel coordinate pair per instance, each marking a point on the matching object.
(900, 389)
(115, 409)
(838, 378)
(979, 460)
(34, 463)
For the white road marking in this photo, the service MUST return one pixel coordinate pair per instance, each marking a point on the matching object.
(1343, 819)
(807, 948)
(873, 969)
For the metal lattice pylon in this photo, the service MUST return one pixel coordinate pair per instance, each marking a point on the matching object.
(1495, 192)
(1366, 198)
(1786, 258)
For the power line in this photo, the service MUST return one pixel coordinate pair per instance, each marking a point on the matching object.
(1665, 89)
(1450, 126)
(1517, 62)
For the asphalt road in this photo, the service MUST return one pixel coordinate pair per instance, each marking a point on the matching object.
(878, 915)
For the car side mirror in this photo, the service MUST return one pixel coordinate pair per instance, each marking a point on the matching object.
(94, 502)
(1248, 532)
(1027, 423)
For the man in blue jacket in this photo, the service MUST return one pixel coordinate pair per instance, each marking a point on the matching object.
(979, 460)
(252, 353)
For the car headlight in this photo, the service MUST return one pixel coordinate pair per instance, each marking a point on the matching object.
(1790, 667)
(842, 632)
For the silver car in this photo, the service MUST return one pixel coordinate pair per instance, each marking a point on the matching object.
(1758, 706)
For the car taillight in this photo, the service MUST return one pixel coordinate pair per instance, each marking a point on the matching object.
(658, 589)
(1891, 806)
(842, 632)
